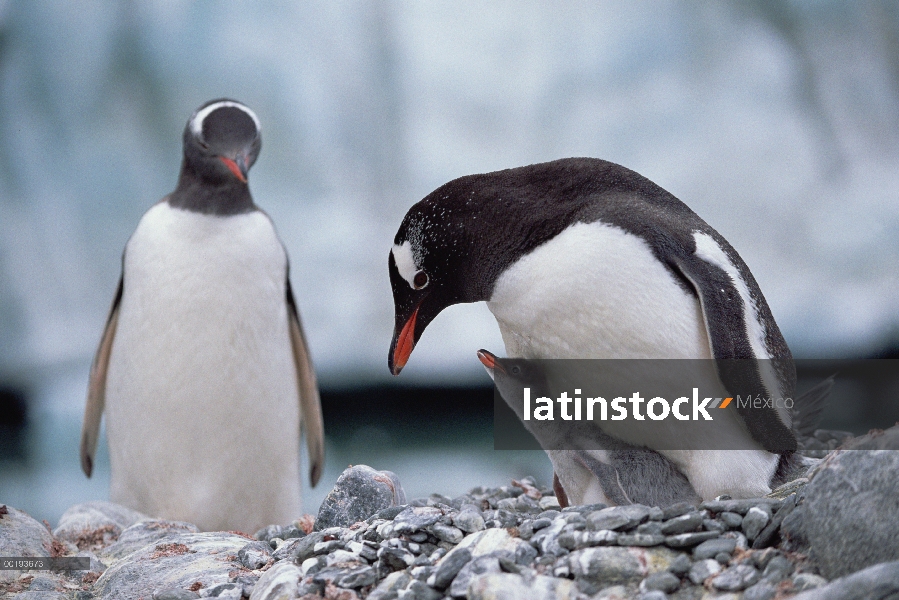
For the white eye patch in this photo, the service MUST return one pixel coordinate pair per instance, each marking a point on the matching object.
(405, 262)
(196, 123)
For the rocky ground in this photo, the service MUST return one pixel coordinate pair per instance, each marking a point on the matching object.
(833, 534)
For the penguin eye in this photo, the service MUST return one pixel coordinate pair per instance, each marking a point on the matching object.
(420, 280)
(516, 370)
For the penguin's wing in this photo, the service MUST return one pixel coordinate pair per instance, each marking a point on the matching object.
(310, 404)
(96, 390)
(725, 314)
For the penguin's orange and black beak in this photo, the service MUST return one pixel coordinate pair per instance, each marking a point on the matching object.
(237, 165)
(403, 343)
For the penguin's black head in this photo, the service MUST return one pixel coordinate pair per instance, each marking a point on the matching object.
(222, 140)
(433, 264)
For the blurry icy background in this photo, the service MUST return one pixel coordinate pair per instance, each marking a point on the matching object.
(778, 122)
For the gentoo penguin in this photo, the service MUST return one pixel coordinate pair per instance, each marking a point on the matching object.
(203, 369)
(583, 258)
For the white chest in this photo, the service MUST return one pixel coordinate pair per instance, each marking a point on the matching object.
(596, 291)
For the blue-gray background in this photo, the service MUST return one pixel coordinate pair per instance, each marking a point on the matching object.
(777, 122)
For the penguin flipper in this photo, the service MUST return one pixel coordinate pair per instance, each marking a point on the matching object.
(96, 390)
(729, 342)
(310, 403)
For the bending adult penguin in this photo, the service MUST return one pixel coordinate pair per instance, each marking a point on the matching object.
(203, 369)
(583, 258)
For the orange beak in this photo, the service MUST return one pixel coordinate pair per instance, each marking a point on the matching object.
(404, 344)
(239, 170)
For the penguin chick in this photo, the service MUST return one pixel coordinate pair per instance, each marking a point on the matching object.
(583, 258)
(203, 369)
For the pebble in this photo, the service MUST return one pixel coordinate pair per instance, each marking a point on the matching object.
(682, 523)
(736, 578)
(807, 581)
(359, 493)
(703, 569)
(254, 555)
(755, 520)
(710, 548)
(662, 581)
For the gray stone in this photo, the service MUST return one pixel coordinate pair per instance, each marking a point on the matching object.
(449, 567)
(447, 533)
(224, 591)
(736, 578)
(710, 548)
(662, 581)
(255, 555)
(419, 590)
(770, 535)
(880, 582)
(388, 587)
(640, 539)
(584, 539)
(676, 510)
(686, 540)
(21, 535)
(278, 583)
(142, 533)
(682, 523)
(490, 541)
(731, 519)
(299, 549)
(680, 566)
(713, 525)
(650, 527)
(174, 594)
(477, 566)
(176, 561)
(740, 506)
(847, 520)
(618, 564)
(359, 493)
(416, 518)
(469, 520)
(618, 517)
(346, 576)
(777, 569)
(755, 520)
(760, 591)
(508, 586)
(703, 569)
(549, 503)
(395, 559)
(95, 523)
(807, 581)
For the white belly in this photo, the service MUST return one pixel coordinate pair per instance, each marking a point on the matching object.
(201, 398)
(596, 291)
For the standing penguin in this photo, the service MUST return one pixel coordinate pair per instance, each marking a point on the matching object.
(583, 258)
(203, 369)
